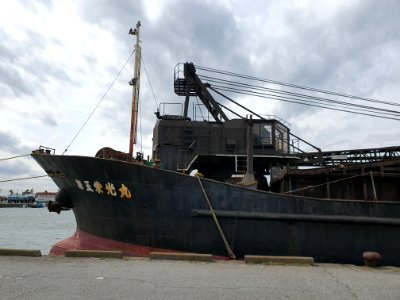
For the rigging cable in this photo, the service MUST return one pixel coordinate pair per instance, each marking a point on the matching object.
(155, 100)
(250, 111)
(140, 124)
(227, 73)
(199, 106)
(97, 105)
(228, 109)
(148, 79)
(308, 104)
(298, 98)
(239, 86)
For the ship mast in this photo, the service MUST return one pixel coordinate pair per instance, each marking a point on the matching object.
(135, 83)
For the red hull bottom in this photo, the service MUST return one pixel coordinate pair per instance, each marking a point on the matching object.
(81, 240)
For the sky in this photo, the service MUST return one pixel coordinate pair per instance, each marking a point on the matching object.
(58, 58)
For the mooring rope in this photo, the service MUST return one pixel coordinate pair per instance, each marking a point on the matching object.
(12, 157)
(33, 177)
(23, 178)
(228, 248)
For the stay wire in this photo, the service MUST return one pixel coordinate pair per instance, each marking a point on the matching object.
(97, 105)
(238, 104)
(307, 104)
(303, 102)
(140, 124)
(346, 108)
(199, 106)
(148, 79)
(239, 85)
(315, 102)
(227, 73)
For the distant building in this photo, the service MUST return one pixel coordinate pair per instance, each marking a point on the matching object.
(42, 198)
(25, 197)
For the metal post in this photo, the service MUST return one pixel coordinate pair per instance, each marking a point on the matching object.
(248, 179)
(373, 185)
(135, 82)
(328, 189)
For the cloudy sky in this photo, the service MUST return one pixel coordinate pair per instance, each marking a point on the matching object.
(58, 58)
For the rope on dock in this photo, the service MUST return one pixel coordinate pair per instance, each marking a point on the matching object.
(228, 248)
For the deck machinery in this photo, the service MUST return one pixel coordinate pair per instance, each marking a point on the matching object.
(217, 147)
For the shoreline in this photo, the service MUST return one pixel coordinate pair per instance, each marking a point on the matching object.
(22, 205)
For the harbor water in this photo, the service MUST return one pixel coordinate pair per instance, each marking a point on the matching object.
(34, 228)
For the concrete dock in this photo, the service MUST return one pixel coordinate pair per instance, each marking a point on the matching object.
(49, 277)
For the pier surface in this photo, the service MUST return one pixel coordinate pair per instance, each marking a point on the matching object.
(135, 278)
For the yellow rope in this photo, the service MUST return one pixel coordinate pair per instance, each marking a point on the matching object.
(228, 248)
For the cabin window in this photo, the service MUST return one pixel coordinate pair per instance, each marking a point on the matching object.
(262, 134)
(281, 138)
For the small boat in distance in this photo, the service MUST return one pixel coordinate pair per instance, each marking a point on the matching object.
(254, 195)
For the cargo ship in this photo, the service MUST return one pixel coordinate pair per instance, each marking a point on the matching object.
(228, 187)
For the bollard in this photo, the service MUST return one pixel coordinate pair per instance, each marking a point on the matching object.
(371, 258)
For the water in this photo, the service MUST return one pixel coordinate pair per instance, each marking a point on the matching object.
(34, 228)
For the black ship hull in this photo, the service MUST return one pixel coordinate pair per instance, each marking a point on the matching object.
(131, 205)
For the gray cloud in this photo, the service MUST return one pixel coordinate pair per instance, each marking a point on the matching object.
(352, 51)
(23, 73)
(32, 5)
(18, 167)
(13, 81)
(49, 120)
(349, 52)
(13, 169)
(10, 143)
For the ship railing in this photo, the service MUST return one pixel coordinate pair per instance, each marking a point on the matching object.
(185, 160)
(281, 120)
(198, 112)
(186, 157)
(295, 148)
(44, 150)
(176, 106)
(240, 163)
(181, 87)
